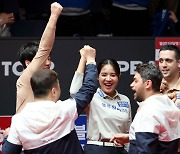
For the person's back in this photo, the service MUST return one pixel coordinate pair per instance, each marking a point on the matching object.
(157, 115)
(155, 127)
(46, 125)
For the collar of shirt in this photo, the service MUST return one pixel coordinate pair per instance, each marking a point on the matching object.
(105, 96)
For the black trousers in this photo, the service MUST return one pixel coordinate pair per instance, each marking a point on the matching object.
(96, 149)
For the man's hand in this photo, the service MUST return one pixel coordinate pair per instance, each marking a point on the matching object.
(56, 9)
(173, 17)
(82, 53)
(120, 139)
(6, 18)
(6, 132)
(164, 86)
(172, 96)
(88, 53)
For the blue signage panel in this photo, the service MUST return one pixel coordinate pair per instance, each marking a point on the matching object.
(81, 129)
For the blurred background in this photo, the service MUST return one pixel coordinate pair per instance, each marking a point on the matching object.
(27, 18)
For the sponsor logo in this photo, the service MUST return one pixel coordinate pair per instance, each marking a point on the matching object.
(16, 68)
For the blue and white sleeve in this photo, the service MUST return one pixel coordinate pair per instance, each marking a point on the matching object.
(85, 94)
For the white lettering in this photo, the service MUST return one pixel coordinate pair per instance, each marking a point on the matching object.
(133, 65)
(14, 68)
(124, 65)
(81, 132)
(8, 65)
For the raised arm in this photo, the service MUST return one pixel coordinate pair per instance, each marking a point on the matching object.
(24, 92)
(79, 74)
(85, 94)
(48, 37)
(82, 61)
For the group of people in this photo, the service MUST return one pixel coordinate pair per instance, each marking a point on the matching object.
(45, 124)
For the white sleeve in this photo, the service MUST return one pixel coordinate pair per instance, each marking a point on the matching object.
(76, 83)
(13, 134)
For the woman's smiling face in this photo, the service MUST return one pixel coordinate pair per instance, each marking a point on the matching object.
(108, 79)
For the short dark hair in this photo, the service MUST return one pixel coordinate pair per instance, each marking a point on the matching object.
(172, 48)
(111, 62)
(27, 52)
(151, 72)
(42, 82)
